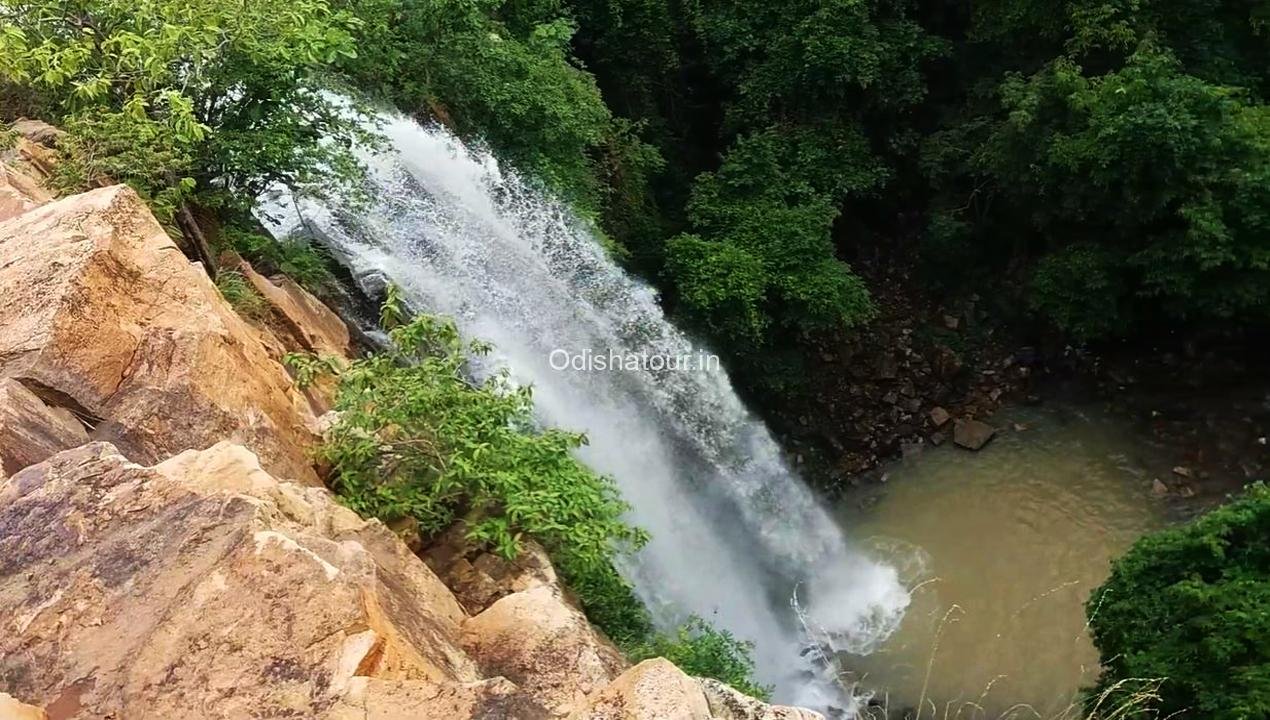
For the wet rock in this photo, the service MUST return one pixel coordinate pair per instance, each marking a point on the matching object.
(947, 363)
(939, 416)
(938, 439)
(1181, 471)
(1158, 488)
(972, 434)
(952, 322)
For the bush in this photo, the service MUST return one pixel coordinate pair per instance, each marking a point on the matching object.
(701, 650)
(1191, 606)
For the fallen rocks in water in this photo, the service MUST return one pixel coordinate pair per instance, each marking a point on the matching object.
(972, 434)
(939, 416)
(1158, 488)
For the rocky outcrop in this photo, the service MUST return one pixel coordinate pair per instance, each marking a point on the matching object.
(203, 587)
(21, 187)
(299, 320)
(728, 704)
(652, 689)
(544, 645)
(478, 577)
(31, 431)
(105, 316)
(11, 709)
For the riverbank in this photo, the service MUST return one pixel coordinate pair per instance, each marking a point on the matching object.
(899, 385)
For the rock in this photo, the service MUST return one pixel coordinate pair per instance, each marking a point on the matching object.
(652, 690)
(728, 704)
(204, 588)
(972, 434)
(545, 646)
(1020, 427)
(952, 322)
(888, 367)
(937, 439)
(11, 709)
(37, 131)
(947, 364)
(104, 314)
(1186, 491)
(30, 431)
(1182, 471)
(939, 416)
(478, 577)
(302, 321)
(21, 189)
(1158, 488)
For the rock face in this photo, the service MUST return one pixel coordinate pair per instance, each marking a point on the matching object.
(652, 689)
(31, 431)
(104, 315)
(11, 709)
(972, 434)
(202, 587)
(20, 188)
(302, 321)
(537, 641)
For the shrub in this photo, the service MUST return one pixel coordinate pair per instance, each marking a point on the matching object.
(1191, 605)
(699, 649)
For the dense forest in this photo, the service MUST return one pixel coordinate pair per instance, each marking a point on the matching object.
(1101, 167)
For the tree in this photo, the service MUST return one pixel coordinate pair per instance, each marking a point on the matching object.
(225, 96)
(1191, 605)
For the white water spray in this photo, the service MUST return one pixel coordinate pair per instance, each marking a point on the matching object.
(734, 531)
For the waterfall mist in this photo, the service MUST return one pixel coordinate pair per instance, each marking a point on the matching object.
(735, 533)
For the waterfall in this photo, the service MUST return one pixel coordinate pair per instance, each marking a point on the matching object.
(735, 533)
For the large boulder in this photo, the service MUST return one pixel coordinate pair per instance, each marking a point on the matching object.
(104, 315)
(728, 704)
(21, 187)
(652, 690)
(11, 709)
(301, 321)
(544, 645)
(204, 588)
(30, 430)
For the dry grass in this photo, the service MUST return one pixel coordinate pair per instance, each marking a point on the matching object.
(1130, 699)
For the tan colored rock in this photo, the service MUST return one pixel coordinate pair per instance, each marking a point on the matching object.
(204, 588)
(304, 322)
(30, 431)
(652, 690)
(11, 709)
(478, 577)
(20, 190)
(37, 131)
(104, 313)
(939, 416)
(545, 646)
(728, 704)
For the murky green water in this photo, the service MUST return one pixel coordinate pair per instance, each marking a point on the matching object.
(1004, 546)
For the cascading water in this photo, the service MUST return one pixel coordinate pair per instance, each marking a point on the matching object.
(735, 534)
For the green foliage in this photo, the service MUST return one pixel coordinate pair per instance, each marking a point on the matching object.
(1192, 605)
(761, 254)
(236, 290)
(166, 94)
(415, 438)
(293, 257)
(703, 651)
(1125, 170)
